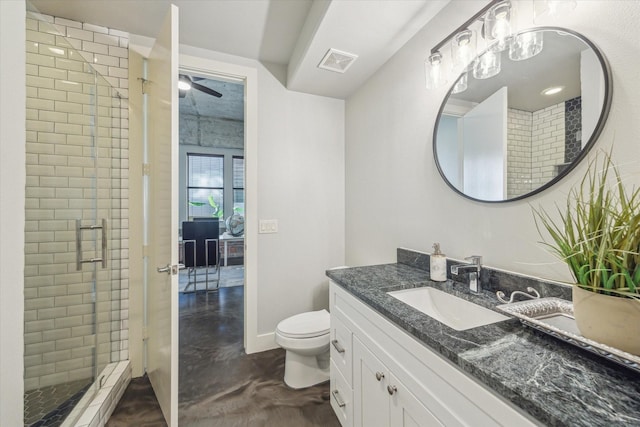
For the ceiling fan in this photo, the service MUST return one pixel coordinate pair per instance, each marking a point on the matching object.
(185, 83)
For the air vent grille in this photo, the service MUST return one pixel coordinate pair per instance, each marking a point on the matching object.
(336, 60)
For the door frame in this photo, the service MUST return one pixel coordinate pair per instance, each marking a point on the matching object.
(189, 63)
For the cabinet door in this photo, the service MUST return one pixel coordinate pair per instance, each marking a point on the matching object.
(406, 410)
(370, 395)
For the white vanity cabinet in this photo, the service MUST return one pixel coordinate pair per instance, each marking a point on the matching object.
(382, 376)
(380, 398)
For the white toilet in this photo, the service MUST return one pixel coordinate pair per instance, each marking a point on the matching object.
(305, 337)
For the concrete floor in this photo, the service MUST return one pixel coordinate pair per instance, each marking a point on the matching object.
(220, 385)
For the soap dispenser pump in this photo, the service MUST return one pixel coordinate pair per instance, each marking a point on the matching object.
(438, 264)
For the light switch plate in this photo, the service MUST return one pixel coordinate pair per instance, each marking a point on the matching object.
(268, 226)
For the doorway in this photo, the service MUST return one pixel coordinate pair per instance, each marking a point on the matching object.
(249, 76)
(212, 182)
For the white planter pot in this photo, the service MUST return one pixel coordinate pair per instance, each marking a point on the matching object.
(609, 320)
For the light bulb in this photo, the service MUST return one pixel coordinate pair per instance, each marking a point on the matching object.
(463, 49)
(433, 71)
(497, 25)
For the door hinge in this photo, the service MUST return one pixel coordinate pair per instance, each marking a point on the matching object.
(146, 169)
(145, 334)
(143, 84)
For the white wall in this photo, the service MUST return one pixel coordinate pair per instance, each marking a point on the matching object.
(301, 184)
(12, 217)
(394, 194)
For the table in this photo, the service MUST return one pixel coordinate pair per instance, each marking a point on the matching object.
(225, 239)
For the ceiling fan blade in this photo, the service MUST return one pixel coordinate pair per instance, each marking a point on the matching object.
(206, 90)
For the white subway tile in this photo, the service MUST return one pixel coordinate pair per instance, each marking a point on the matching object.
(75, 44)
(106, 39)
(39, 370)
(95, 28)
(56, 95)
(54, 73)
(68, 64)
(96, 48)
(80, 34)
(69, 129)
(52, 116)
(53, 291)
(68, 22)
(68, 86)
(40, 104)
(118, 51)
(39, 126)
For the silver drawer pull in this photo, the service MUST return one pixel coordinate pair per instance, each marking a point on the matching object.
(391, 389)
(336, 395)
(337, 345)
(379, 375)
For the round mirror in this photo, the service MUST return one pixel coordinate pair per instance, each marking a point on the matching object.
(515, 133)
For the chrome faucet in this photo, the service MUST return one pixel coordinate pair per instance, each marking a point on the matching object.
(474, 276)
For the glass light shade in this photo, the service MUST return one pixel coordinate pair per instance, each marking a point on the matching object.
(487, 65)
(525, 45)
(461, 84)
(463, 49)
(497, 25)
(551, 8)
(434, 72)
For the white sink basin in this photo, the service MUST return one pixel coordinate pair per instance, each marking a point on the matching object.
(454, 312)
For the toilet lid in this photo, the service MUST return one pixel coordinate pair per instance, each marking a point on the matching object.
(305, 325)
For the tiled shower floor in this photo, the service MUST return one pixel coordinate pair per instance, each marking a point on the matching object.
(49, 406)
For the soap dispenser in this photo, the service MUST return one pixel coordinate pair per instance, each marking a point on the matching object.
(438, 264)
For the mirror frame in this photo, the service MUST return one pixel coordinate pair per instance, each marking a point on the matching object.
(604, 113)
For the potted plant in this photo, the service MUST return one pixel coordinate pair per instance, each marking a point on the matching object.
(597, 235)
(217, 212)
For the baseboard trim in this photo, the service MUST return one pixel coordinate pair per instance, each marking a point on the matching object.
(264, 342)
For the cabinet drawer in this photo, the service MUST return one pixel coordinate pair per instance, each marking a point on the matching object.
(341, 346)
(341, 397)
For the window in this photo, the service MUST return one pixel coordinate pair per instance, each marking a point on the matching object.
(205, 185)
(238, 185)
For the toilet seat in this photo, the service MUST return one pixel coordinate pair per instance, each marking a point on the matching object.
(305, 325)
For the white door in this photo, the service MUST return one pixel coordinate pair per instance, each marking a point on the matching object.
(162, 265)
(370, 381)
(485, 148)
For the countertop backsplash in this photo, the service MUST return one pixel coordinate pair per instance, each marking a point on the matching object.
(491, 279)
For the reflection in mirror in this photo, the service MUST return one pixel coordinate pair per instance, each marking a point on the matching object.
(515, 134)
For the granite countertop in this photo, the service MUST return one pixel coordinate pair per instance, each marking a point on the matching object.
(556, 383)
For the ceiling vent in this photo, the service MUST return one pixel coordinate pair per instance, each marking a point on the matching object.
(336, 60)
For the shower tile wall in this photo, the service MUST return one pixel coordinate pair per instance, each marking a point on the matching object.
(548, 132)
(536, 146)
(58, 299)
(518, 152)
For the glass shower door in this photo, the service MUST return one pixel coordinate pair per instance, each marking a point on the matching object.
(73, 226)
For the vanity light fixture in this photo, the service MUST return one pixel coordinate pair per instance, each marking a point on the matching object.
(552, 90)
(463, 47)
(495, 24)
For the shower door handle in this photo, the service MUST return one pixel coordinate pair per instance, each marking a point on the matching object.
(103, 258)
